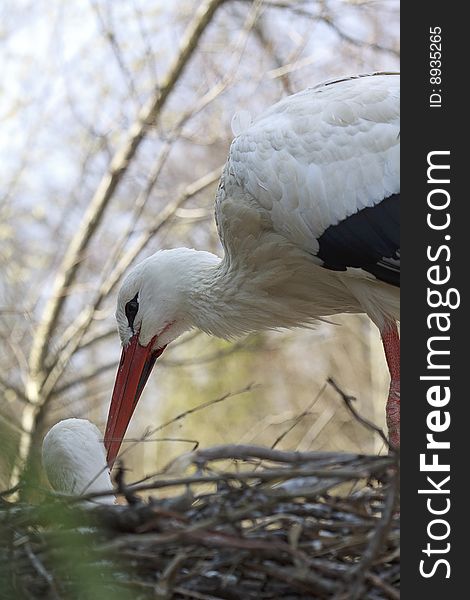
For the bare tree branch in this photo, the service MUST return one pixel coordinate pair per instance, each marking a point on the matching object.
(108, 33)
(85, 378)
(111, 180)
(348, 400)
(66, 275)
(5, 385)
(81, 324)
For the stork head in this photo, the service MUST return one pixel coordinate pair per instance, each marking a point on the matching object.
(153, 309)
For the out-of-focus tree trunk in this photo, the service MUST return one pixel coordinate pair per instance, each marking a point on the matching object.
(33, 414)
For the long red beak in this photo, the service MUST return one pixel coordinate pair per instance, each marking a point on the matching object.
(134, 369)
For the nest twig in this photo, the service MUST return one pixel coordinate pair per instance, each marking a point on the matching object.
(242, 522)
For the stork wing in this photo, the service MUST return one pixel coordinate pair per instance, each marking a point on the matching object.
(324, 164)
(368, 239)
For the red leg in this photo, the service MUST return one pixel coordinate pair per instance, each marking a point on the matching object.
(391, 342)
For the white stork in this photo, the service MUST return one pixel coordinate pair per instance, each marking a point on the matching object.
(307, 211)
(74, 459)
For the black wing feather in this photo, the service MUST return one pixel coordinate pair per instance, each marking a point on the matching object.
(368, 239)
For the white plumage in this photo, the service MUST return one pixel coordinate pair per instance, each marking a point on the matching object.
(319, 156)
(307, 211)
(74, 459)
(307, 164)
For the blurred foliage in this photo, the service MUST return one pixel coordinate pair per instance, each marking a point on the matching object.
(69, 573)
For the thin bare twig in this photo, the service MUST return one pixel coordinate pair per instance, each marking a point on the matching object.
(348, 400)
(234, 530)
(84, 378)
(377, 539)
(73, 335)
(5, 385)
(188, 412)
(39, 567)
(108, 185)
(297, 419)
(109, 34)
(101, 199)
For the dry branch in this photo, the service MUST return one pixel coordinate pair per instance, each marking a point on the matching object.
(34, 414)
(348, 401)
(118, 167)
(247, 532)
(74, 334)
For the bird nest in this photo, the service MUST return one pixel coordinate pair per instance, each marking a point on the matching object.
(236, 522)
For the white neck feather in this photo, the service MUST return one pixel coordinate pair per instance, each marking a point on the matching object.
(271, 290)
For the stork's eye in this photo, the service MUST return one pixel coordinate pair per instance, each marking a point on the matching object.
(132, 307)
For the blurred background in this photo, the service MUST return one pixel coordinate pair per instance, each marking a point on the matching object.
(115, 119)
